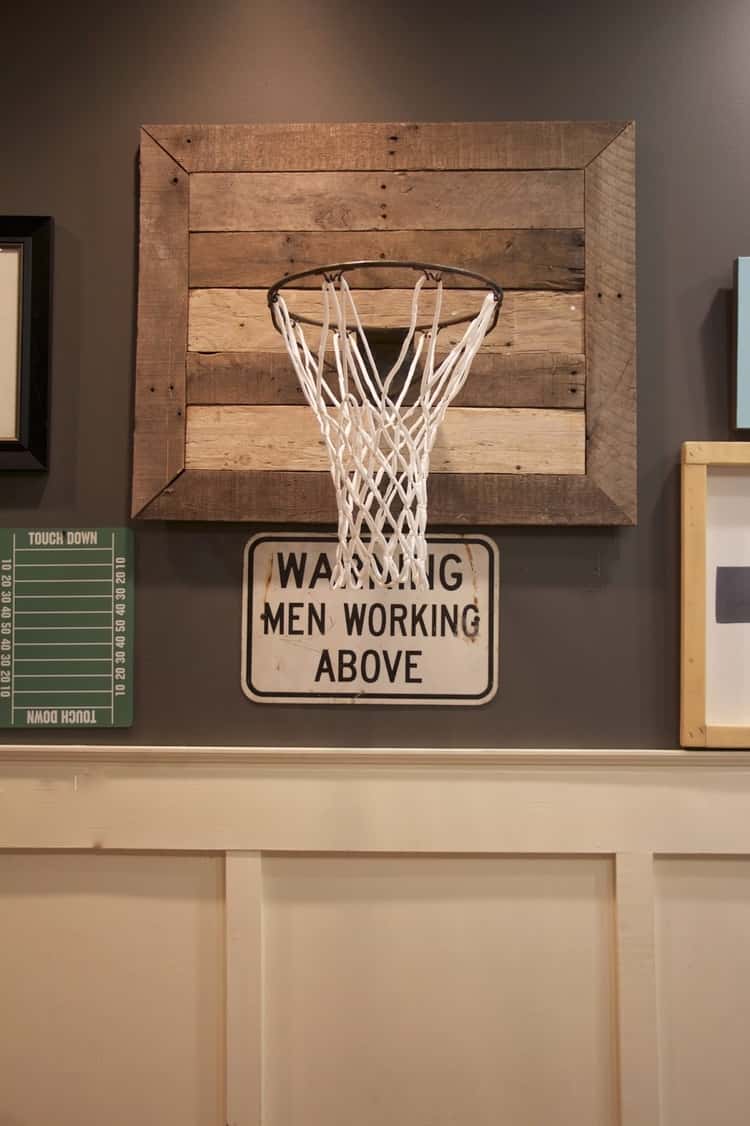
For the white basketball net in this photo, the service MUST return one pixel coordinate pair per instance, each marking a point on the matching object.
(379, 447)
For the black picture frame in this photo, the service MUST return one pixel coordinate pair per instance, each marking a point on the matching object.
(33, 235)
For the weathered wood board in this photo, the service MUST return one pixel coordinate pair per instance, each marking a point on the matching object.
(388, 201)
(237, 320)
(544, 429)
(508, 379)
(471, 440)
(524, 259)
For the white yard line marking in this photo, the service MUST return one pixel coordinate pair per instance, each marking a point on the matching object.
(97, 707)
(60, 676)
(59, 564)
(64, 549)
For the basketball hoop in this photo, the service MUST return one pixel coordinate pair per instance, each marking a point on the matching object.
(379, 395)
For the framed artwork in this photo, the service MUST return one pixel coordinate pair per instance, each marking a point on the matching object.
(715, 673)
(544, 430)
(25, 301)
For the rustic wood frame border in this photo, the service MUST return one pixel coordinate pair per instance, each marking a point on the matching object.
(606, 494)
(696, 459)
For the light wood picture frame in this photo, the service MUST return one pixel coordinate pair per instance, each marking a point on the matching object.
(222, 431)
(715, 611)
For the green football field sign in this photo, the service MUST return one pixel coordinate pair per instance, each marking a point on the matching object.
(66, 626)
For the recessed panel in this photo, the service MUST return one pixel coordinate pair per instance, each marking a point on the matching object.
(438, 991)
(111, 990)
(703, 976)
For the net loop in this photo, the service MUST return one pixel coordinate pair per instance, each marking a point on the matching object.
(379, 428)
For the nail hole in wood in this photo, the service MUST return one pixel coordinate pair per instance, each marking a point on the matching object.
(175, 180)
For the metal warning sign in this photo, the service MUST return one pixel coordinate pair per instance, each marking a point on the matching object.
(66, 625)
(305, 643)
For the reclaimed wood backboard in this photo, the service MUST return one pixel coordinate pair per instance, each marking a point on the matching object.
(543, 431)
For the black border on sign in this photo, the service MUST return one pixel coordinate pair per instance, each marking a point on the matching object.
(260, 695)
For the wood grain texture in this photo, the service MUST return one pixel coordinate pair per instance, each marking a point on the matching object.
(159, 437)
(471, 440)
(693, 602)
(716, 453)
(270, 147)
(454, 498)
(510, 379)
(719, 735)
(529, 327)
(238, 320)
(387, 201)
(516, 259)
(610, 322)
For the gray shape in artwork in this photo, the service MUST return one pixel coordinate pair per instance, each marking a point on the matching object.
(732, 594)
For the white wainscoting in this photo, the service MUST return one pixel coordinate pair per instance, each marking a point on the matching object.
(311, 938)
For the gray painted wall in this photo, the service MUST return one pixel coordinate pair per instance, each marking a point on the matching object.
(590, 619)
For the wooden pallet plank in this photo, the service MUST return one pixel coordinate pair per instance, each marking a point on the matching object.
(159, 439)
(352, 201)
(237, 320)
(454, 499)
(610, 321)
(510, 379)
(309, 146)
(471, 440)
(516, 259)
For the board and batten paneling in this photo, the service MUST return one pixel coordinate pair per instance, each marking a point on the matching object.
(702, 928)
(422, 990)
(342, 934)
(111, 989)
